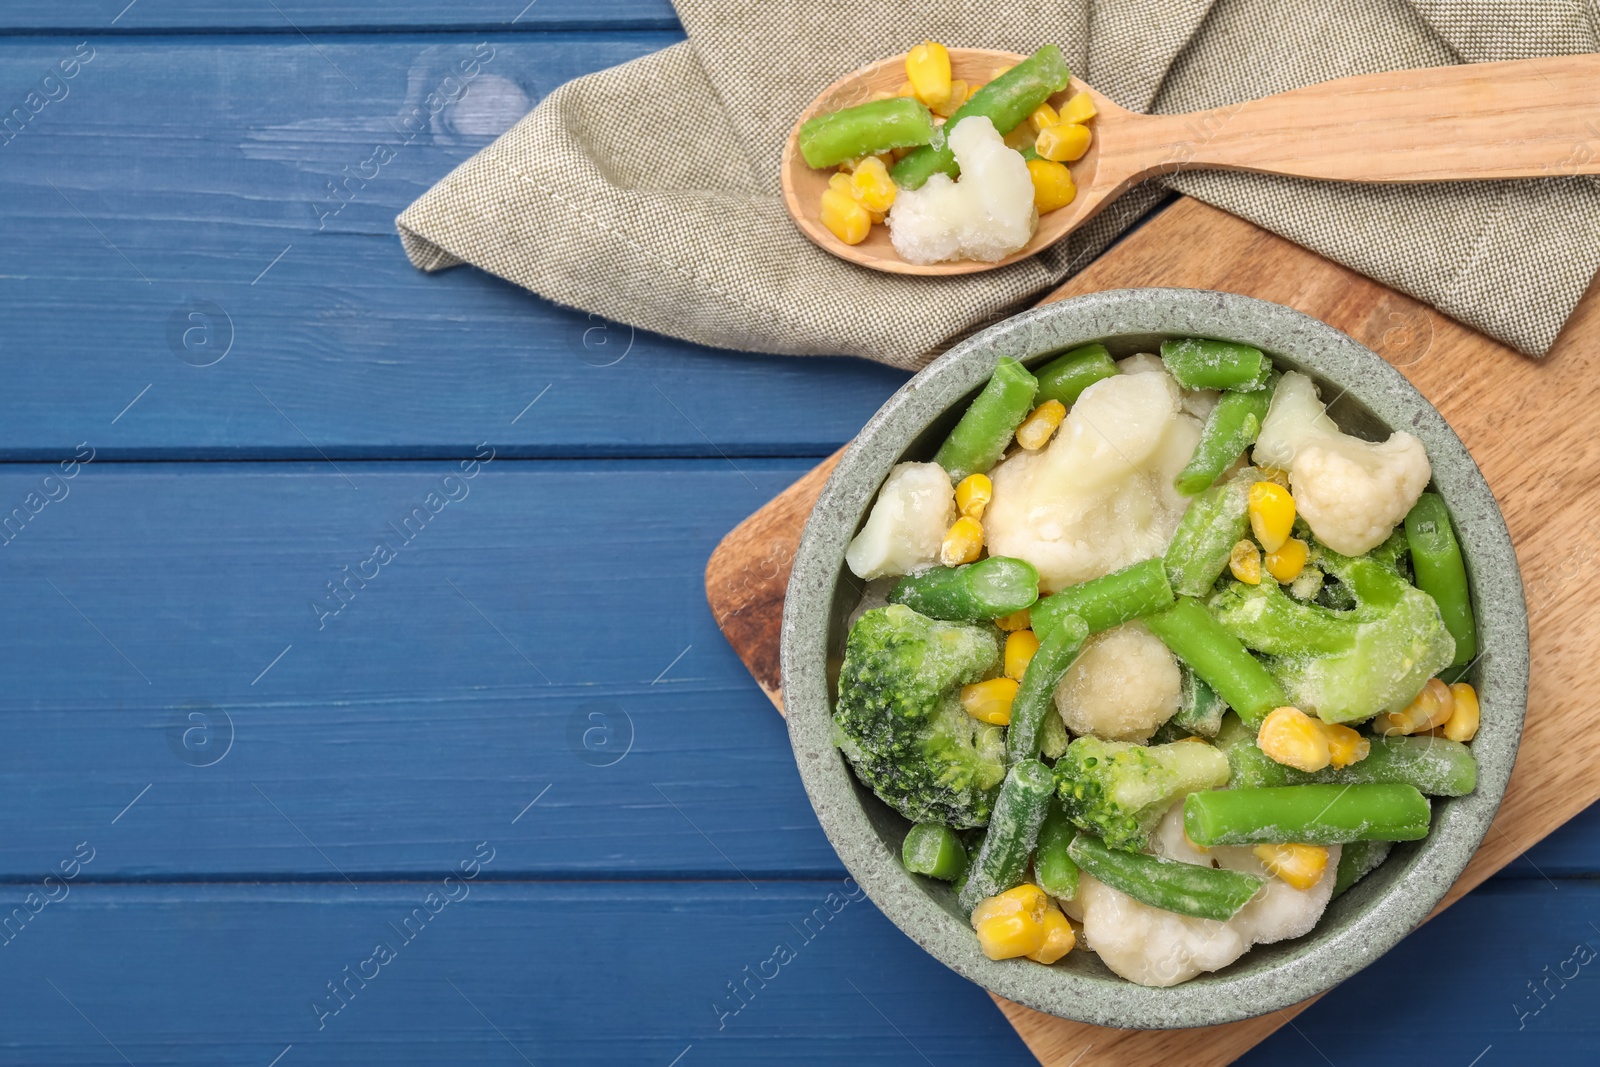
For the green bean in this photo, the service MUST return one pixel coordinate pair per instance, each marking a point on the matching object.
(1005, 101)
(1053, 869)
(1110, 600)
(865, 130)
(1002, 859)
(974, 592)
(1217, 657)
(1441, 572)
(1201, 710)
(1307, 814)
(1185, 888)
(1201, 364)
(1067, 376)
(987, 426)
(1231, 428)
(1035, 697)
(1357, 860)
(1211, 525)
(1435, 766)
(934, 850)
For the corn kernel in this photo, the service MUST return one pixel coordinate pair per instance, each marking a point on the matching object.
(1079, 109)
(1288, 561)
(1027, 899)
(1302, 866)
(1001, 70)
(906, 89)
(1063, 143)
(1053, 186)
(1020, 647)
(841, 183)
(1245, 562)
(1294, 739)
(871, 185)
(959, 93)
(1059, 938)
(1462, 725)
(877, 216)
(1271, 514)
(1035, 431)
(1017, 620)
(962, 542)
(1432, 707)
(1006, 937)
(1275, 475)
(990, 701)
(844, 218)
(1021, 137)
(973, 495)
(1044, 116)
(1345, 746)
(928, 69)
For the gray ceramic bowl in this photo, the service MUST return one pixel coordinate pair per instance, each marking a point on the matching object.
(1370, 398)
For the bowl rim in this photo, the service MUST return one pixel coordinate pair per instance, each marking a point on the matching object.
(1240, 990)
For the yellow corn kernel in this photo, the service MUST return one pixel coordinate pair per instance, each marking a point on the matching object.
(906, 89)
(973, 495)
(844, 218)
(1432, 707)
(1288, 561)
(1017, 620)
(1001, 70)
(990, 701)
(871, 185)
(1012, 924)
(1035, 431)
(962, 542)
(1245, 562)
(1026, 898)
(841, 182)
(1020, 647)
(1294, 739)
(1059, 938)
(928, 68)
(959, 92)
(1271, 514)
(877, 216)
(1063, 143)
(1044, 116)
(881, 94)
(1302, 866)
(1345, 746)
(1462, 725)
(1079, 109)
(1053, 186)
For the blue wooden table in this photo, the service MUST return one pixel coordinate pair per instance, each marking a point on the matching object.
(362, 702)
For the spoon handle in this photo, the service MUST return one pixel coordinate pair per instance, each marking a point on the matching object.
(1528, 118)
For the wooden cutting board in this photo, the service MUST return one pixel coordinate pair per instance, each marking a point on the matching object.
(1531, 425)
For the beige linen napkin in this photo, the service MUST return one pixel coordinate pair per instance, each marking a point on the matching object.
(649, 193)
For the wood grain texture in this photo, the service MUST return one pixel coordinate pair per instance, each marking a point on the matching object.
(1525, 422)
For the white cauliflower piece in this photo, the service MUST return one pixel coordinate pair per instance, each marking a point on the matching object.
(1197, 402)
(1141, 363)
(1351, 492)
(1160, 948)
(1123, 685)
(914, 508)
(1100, 495)
(986, 216)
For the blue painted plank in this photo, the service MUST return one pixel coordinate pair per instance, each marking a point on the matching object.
(544, 636)
(147, 241)
(295, 16)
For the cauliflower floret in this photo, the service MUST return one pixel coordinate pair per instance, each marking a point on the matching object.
(1160, 948)
(1351, 492)
(908, 522)
(986, 216)
(1141, 363)
(1100, 495)
(1123, 685)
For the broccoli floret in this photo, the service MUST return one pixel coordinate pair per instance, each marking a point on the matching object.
(900, 722)
(1120, 790)
(1344, 665)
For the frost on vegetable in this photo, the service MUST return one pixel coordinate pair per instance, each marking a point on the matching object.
(914, 509)
(1120, 791)
(986, 216)
(1351, 492)
(1123, 685)
(1100, 495)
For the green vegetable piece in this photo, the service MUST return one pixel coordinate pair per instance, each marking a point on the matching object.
(1202, 710)
(987, 427)
(1185, 888)
(1212, 524)
(865, 130)
(1035, 698)
(1436, 766)
(1053, 869)
(1006, 101)
(1230, 428)
(975, 592)
(935, 851)
(1135, 591)
(1357, 860)
(1002, 859)
(1248, 766)
(1120, 790)
(1201, 364)
(1308, 814)
(899, 718)
(1053, 736)
(1219, 658)
(1067, 376)
(1441, 572)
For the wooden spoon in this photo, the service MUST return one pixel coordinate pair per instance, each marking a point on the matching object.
(1530, 118)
